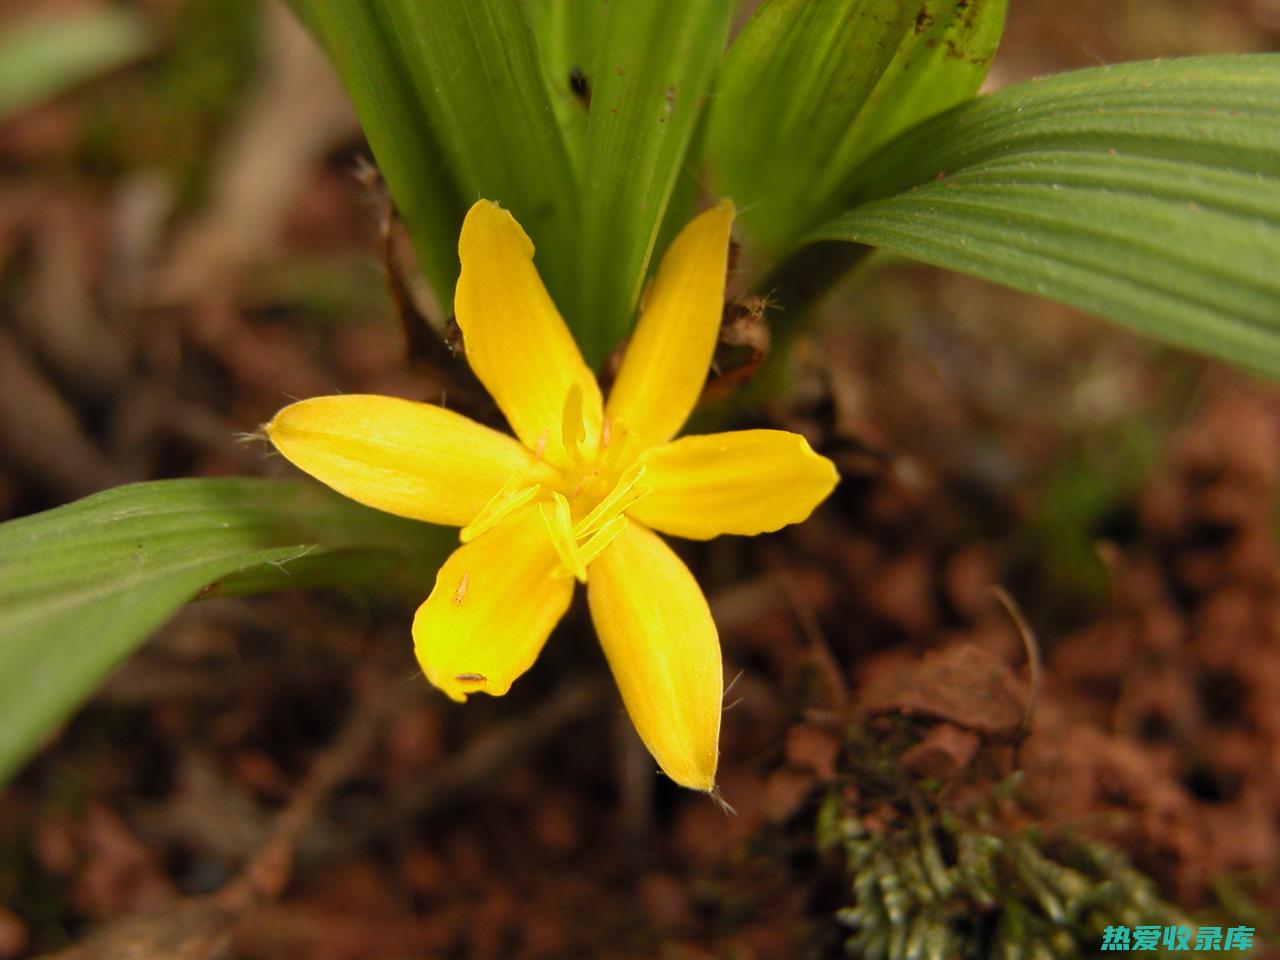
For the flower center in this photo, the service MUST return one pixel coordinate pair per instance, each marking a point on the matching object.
(583, 505)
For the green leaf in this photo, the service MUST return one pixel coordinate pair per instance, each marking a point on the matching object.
(682, 205)
(481, 95)
(654, 64)
(940, 64)
(791, 88)
(478, 80)
(404, 142)
(1148, 193)
(41, 58)
(567, 34)
(83, 585)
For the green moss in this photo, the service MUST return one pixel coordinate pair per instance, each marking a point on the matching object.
(944, 887)
(931, 878)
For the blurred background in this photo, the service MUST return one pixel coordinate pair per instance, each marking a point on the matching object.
(188, 241)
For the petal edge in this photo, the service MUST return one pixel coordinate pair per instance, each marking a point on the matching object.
(662, 646)
(744, 482)
(492, 608)
(666, 363)
(415, 460)
(514, 337)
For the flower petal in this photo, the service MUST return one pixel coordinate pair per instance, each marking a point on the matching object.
(412, 459)
(662, 646)
(744, 482)
(515, 340)
(666, 363)
(493, 606)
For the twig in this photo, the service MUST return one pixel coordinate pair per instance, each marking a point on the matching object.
(421, 341)
(200, 928)
(436, 790)
(425, 345)
(1029, 644)
(267, 873)
(817, 642)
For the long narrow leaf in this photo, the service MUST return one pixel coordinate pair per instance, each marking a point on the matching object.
(1148, 193)
(567, 33)
(792, 86)
(940, 63)
(649, 82)
(83, 585)
(404, 143)
(478, 80)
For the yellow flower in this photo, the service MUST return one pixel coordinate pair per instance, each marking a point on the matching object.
(579, 495)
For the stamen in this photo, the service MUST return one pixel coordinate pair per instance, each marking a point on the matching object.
(601, 539)
(508, 499)
(572, 429)
(623, 495)
(559, 526)
(541, 446)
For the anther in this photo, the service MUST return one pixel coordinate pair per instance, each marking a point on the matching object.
(556, 518)
(599, 540)
(572, 429)
(624, 495)
(509, 498)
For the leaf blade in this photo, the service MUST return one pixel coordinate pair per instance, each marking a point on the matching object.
(478, 80)
(1146, 193)
(654, 64)
(813, 87)
(84, 584)
(408, 152)
(940, 64)
(568, 36)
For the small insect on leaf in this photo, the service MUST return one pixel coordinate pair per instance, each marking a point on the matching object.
(580, 87)
(471, 678)
(461, 592)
